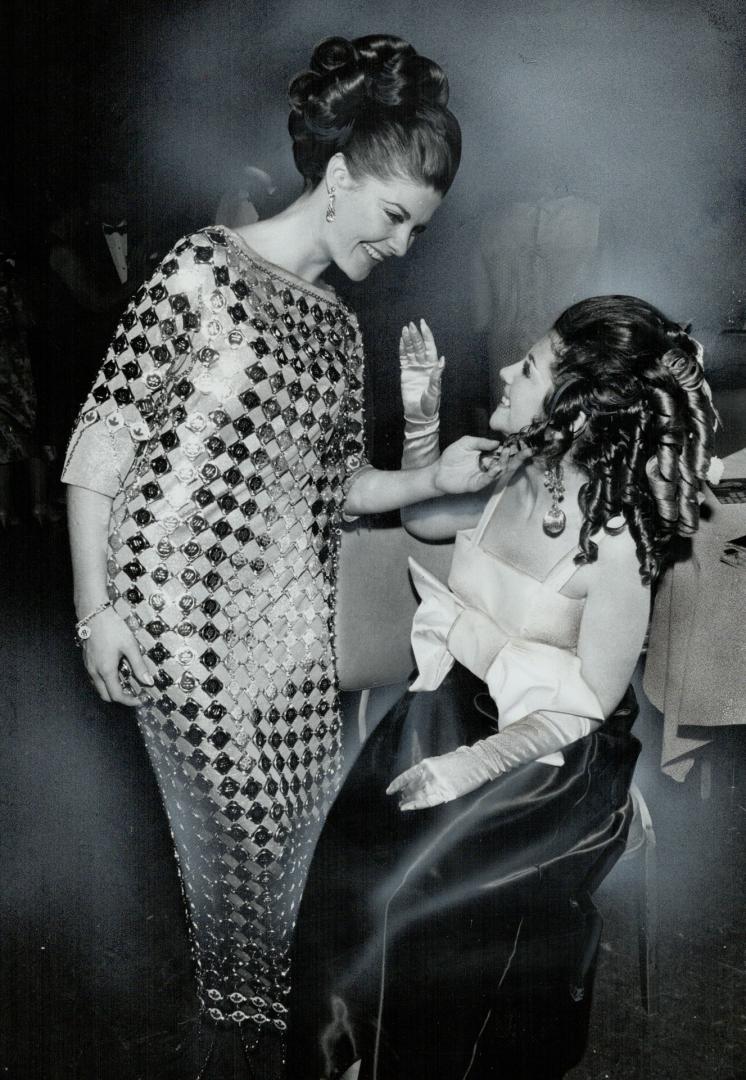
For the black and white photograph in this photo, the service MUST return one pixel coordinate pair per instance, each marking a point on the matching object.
(373, 540)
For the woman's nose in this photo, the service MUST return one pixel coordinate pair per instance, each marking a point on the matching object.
(507, 373)
(401, 241)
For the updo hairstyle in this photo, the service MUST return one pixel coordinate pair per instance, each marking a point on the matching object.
(631, 405)
(380, 103)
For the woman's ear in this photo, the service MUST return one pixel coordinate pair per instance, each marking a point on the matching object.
(338, 175)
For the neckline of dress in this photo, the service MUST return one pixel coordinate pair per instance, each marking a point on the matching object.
(548, 579)
(476, 538)
(326, 292)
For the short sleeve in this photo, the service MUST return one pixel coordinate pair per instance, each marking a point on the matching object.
(160, 331)
(354, 441)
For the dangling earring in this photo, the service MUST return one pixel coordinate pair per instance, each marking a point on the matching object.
(331, 213)
(554, 521)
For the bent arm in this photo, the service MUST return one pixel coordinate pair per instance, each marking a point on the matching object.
(441, 519)
(88, 514)
(457, 471)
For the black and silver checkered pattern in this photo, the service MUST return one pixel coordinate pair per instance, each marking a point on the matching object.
(241, 390)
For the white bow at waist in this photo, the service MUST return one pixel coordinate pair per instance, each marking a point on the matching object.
(522, 676)
(436, 614)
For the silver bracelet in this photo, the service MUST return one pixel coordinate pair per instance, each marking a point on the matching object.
(82, 629)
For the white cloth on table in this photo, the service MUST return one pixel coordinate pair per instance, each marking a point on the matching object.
(695, 671)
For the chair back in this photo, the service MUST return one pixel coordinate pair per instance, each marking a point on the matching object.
(376, 601)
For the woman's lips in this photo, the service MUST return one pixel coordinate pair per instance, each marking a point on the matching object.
(373, 252)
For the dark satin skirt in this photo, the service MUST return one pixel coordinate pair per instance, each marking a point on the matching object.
(458, 941)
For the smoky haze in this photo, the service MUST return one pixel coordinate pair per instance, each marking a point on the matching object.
(635, 105)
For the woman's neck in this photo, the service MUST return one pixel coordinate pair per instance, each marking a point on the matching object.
(294, 238)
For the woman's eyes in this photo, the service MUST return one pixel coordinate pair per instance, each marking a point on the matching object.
(526, 369)
(397, 219)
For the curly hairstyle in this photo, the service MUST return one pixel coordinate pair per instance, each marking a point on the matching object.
(382, 104)
(631, 405)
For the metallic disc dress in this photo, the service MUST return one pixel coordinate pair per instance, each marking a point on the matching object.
(224, 423)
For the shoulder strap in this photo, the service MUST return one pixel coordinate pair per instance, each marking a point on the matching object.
(565, 567)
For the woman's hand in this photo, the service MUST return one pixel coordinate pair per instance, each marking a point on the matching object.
(113, 661)
(439, 779)
(420, 373)
(461, 469)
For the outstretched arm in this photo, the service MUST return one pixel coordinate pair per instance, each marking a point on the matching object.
(374, 491)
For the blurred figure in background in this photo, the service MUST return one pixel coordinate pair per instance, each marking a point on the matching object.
(247, 202)
(17, 392)
(86, 275)
(534, 259)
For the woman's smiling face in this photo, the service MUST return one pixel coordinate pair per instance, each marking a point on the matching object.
(526, 385)
(375, 219)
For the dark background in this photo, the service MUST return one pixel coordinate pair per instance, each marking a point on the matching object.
(638, 104)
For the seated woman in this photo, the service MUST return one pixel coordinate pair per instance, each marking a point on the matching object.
(447, 928)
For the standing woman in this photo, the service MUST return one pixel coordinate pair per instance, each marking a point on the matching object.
(484, 810)
(208, 471)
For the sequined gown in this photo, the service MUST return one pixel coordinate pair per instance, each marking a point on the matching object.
(224, 423)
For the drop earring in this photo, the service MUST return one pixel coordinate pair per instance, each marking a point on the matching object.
(554, 521)
(331, 213)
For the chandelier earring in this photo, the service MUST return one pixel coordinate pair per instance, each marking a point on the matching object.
(331, 213)
(554, 521)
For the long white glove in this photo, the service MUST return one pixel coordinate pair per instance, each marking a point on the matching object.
(440, 779)
(420, 372)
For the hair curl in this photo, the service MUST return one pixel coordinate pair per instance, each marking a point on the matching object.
(631, 405)
(382, 104)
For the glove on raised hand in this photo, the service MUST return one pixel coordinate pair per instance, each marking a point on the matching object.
(420, 372)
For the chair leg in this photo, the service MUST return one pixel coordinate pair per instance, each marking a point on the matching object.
(647, 935)
(646, 901)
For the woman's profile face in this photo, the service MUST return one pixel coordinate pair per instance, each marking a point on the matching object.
(376, 219)
(526, 385)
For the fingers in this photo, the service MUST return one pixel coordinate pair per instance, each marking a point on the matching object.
(417, 788)
(475, 442)
(118, 687)
(123, 695)
(429, 342)
(412, 347)
(407, 354)
(137, 665)
(403, 780)
(100, 687)
(417, 347)
(422, 801)
(111, 684)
